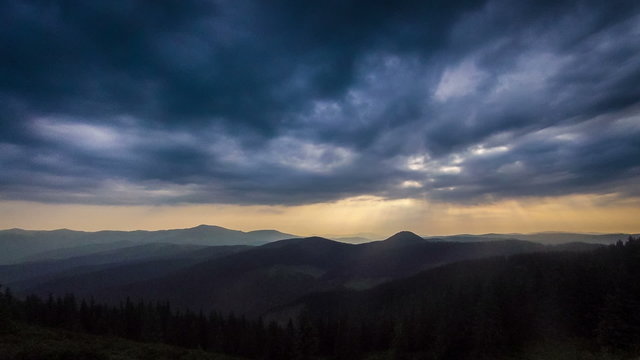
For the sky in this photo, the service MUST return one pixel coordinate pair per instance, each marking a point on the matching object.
(321, 117)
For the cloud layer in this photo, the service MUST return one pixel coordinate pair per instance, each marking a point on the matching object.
(287, 102)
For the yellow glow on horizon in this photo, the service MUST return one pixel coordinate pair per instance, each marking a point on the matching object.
(576, 213)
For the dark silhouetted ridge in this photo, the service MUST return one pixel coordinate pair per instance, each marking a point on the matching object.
(312, 241)
(404, 237)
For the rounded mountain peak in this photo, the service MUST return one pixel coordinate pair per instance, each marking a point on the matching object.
(405, 237)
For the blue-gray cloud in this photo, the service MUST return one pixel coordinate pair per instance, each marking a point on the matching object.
(288, 102)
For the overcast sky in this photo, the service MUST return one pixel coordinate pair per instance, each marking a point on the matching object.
(253, 110)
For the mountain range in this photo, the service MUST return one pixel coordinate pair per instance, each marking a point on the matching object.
(251, 280)
(443, 290)
(29, 245)
(549, 237)
(213, 268)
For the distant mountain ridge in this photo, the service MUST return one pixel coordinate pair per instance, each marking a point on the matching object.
(547, 237)
(19, 245)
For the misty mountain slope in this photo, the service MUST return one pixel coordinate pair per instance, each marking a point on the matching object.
(80, 250)
(261, 278)
(252, 281)
(134, 253)
(22, 271)
(16, 244)
(547, 238)
(249, 282)
(117, 262)
(21, 245)
(91, 280)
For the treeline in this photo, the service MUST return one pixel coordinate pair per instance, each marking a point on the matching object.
(496, 308)
(492, 308)
(151, 322)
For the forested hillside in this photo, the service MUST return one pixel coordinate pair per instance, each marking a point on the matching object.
(529, 306)
(256, 280)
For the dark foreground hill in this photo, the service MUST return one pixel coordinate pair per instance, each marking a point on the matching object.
(24, 342)
(259, 279)
(556, 305)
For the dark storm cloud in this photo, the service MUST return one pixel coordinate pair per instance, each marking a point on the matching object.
(294, 102)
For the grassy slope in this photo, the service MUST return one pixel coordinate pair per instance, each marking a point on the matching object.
(34, 343)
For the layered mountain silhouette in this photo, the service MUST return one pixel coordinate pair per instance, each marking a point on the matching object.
(255, 280)
(28, 245)
(163, 255)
